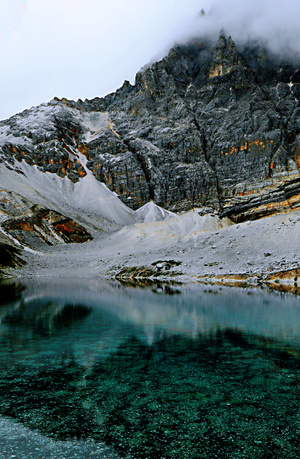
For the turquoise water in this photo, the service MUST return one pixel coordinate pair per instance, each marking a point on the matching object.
(197, 372)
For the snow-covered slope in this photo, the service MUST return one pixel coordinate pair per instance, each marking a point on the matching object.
(40, 121)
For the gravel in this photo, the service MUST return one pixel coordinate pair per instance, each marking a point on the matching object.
(19, 442)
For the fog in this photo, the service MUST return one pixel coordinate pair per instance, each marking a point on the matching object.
(87, 48)
(276, 22)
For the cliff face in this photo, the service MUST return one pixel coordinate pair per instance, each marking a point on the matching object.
(209, 125)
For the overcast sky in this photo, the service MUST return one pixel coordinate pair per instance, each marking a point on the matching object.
(87, 48)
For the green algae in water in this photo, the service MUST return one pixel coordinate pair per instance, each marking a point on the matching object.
(222, 393)
(227, 395)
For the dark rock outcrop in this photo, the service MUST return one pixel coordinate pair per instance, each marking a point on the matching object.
(10, 256)
(208, 125)
(32, 224)
(47, 226)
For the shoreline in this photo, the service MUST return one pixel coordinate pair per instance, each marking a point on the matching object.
(263, 252)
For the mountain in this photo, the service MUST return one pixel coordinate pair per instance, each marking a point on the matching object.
(208, 125)
(212, 125)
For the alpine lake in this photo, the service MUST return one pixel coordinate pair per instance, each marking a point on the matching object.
(160, 371)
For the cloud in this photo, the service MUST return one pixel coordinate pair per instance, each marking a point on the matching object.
(80, 48)
(274, 21)
(87, 48)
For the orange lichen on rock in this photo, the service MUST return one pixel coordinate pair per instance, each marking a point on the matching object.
(294, 201)
(147, 87)
(82, 148)
(246, 193)
(108, 181)
(72, 231)
(256, 143)
(138, 199)
(266, 210)
(291, 275)
(81, 172)
(68, 163)
(136, 111)
(284, 281)
(12, 148)
(248, 146)
(218, 70)
(230, 152)
(48, 226)
(298, 156)
(26, 226)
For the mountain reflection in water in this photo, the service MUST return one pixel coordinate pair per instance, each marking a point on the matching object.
(212, 374)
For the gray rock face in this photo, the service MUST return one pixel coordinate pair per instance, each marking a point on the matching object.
(209, 125)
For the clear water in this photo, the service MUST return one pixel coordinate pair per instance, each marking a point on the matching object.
(197, 372)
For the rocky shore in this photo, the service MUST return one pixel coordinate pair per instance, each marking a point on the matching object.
(262, 253)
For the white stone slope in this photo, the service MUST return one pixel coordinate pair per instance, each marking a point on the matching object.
(87, 201)
(251, 248)
(202, 243)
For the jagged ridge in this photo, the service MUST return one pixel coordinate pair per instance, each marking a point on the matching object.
(208, 125)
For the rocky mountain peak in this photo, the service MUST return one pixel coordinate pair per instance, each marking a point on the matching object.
(225, 57)
(211, 124)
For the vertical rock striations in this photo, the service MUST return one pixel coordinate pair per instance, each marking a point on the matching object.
(209, 125)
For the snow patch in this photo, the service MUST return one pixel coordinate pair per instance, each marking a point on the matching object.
(7, 137)
(36, 117)
(95, 123)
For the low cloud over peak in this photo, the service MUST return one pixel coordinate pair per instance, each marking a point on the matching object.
(87, 48)
(275, 22)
